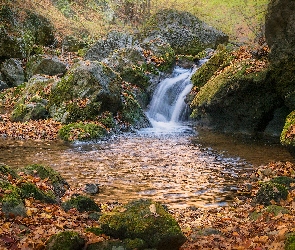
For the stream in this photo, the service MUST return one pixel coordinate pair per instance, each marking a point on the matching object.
(171, 162)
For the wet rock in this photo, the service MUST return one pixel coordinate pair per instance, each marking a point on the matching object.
(91, 188)
(183, 31)
(145, 220)
(67, 240)
(13, 72)
(45, 65)
(81, 203)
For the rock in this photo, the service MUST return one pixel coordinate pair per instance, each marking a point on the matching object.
(284, 180)
(13, 72)
(145, 220)
(45, 65)
(91, 188)
(288, 136)
(103, 48)
(12, 204)
(6, 171)
(223, 102)
(183, 31)
(66, 240)
(86, 91)
(26, 112)
(81, 203)
(82, 131)
(269, 192)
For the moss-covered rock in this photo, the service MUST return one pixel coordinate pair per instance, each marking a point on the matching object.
(12, 204)
(67, 240)
(7, 172)
(272, 210)
(29, 190)
(284, 180)
(219, 60)
(82, 131)
(183, 31)
(86, 91)
(145, 220)
(237, 99)
(81, 203)
(57, 181)
(31, 111)
(269, 192)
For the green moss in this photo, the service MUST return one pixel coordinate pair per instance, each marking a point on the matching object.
(136, 76)
(276, 210)
(283, 180)
(269, 192)
(82, 131)
(290, 242)
(107, 119)
(218, 61)
(145, 220)
(29, 190)
(6, 171)
(67, 240)
(43, 172)
(81, 203)
(287, 136)
(136, 243)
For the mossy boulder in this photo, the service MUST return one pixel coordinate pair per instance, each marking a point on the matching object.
(86, 91)
(81, 203)
(7, 172)
(271, 192)
(146, 220)
(236, 100)
(31, 111)
(82, 131)
(271, 210)
(284, 180)
(12, 204)
(66, 240)
(183, 31)
(219, 60)
(58, 183)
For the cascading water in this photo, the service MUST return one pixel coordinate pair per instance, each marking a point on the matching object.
(168, 110)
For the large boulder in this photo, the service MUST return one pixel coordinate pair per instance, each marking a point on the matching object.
(88, 89)
(146, 220)
(13, 72)
(184, 31)
(239, 98)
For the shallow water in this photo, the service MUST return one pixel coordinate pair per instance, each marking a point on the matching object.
(179, 169)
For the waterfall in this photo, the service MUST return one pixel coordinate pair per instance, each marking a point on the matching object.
(168, 110)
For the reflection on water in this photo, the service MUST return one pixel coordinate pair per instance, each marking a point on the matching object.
(183, 170)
